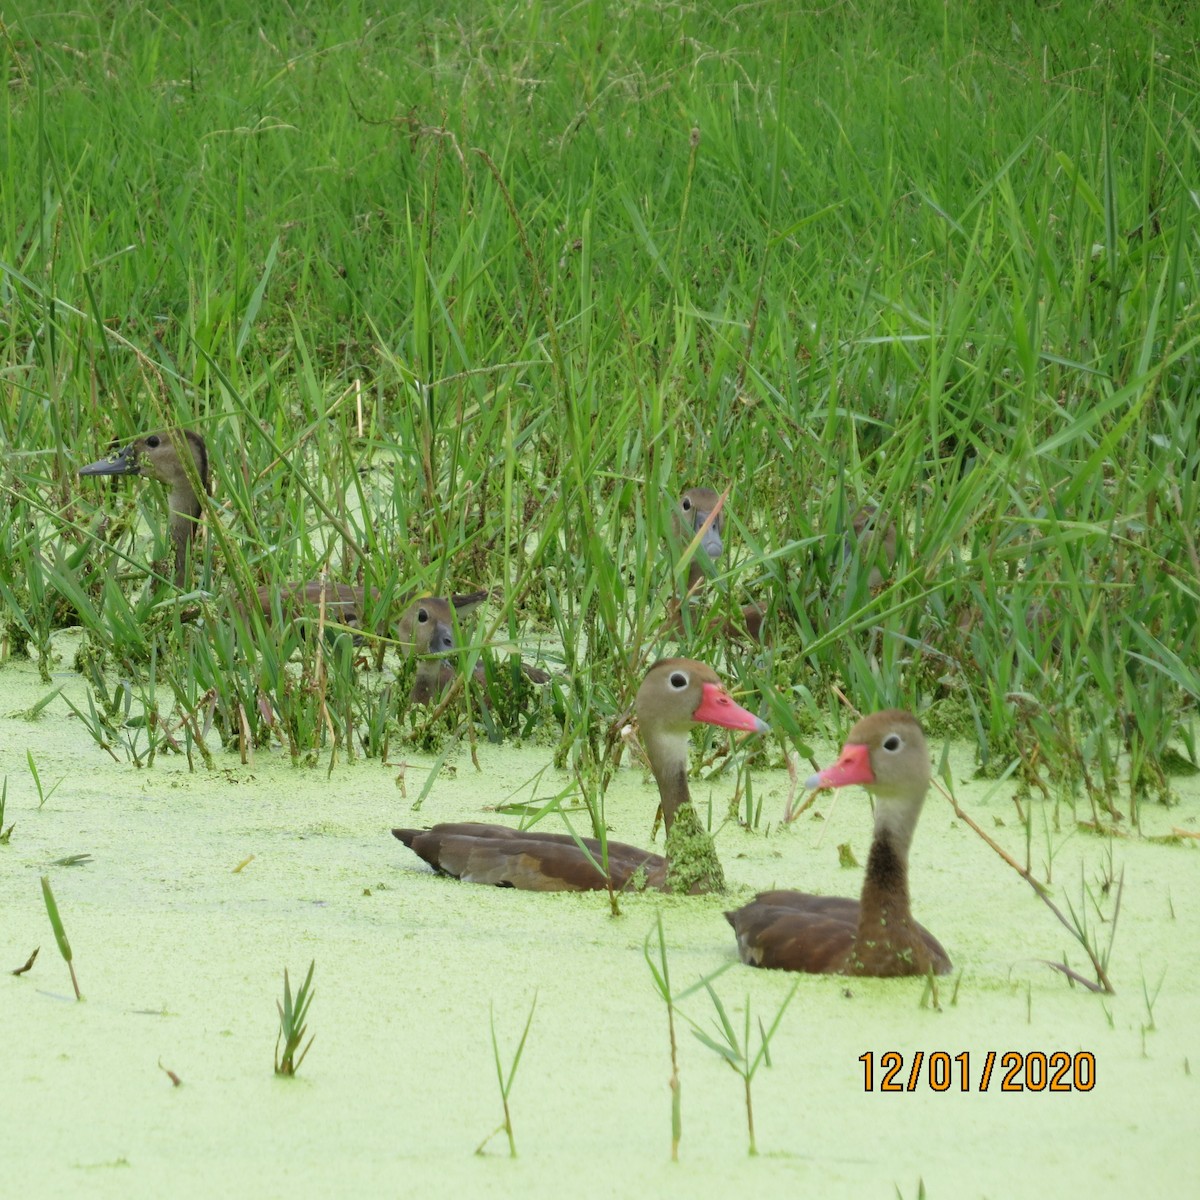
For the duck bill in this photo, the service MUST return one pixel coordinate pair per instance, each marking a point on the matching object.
(711, 543)
(707, 526)
(718, 707)
(854, 766)
(125, 463)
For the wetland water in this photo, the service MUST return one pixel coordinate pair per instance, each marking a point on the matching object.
(181, 960)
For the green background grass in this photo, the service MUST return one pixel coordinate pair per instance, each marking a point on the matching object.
(466, 300)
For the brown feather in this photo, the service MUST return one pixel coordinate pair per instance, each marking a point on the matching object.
(539, 862)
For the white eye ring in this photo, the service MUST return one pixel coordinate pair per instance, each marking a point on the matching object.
(678, 680)
(422, 615)
(686, 504)
(893, 742)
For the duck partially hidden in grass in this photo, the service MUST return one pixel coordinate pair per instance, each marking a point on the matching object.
(426, 625)
(698, 513)
(699, 508)
(876, 934)
(160, 456)
(676, 694)
(874, 543)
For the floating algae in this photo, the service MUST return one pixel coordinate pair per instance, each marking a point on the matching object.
(692, 863)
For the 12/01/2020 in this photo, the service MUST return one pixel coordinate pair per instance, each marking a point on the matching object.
(1020, 1071)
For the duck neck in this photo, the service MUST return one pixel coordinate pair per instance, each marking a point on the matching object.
(885, 887)
(668, 755)
(186, 508)
(185, 518)
(692, 863)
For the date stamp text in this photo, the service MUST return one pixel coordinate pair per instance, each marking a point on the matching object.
(1011, 1071)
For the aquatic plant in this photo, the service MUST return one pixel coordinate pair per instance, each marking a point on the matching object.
(5, 834)
(1150, 998)
(661, 974)
(28, 964)
(737, 1052)
(110, 719)
(73, 860)
(943, 368)
(1076, 923)
(43, 795)
(293, 1015)
(506, 1080)
(60, 934)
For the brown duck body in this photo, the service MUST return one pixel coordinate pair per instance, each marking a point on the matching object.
(539, 862)
(676, 694)
(876, 934)
(874, 542)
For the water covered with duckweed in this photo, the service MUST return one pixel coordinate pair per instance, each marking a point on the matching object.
(202, 887)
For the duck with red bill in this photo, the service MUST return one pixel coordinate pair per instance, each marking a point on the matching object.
(677, 694)
(876, 934)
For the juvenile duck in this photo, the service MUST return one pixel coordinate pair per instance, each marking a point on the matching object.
(876, 934)
(874, 542)
(158, 456)
(425, 627)
(676, 694)
(688, 518)
(695, 507)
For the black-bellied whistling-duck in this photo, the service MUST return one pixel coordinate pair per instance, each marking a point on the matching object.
(874, 542)
(158, 455)
(425, 627)
(676, 694)
(695, 507)
(347, 604)
(876, 934)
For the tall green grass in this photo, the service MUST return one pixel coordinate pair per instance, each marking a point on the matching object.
(465, 301)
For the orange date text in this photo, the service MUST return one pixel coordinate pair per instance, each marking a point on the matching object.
(1010, 1071)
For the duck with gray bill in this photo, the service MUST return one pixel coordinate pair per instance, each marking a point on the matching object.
(426, 626)
(160, 456)
(699, 512)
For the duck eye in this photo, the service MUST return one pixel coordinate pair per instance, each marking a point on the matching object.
(152, 442)
(892, 742)
(422, 615)
(678, 680)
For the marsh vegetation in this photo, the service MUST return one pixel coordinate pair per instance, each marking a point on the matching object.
(466, 300)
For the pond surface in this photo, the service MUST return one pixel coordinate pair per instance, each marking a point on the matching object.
(180, 958)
